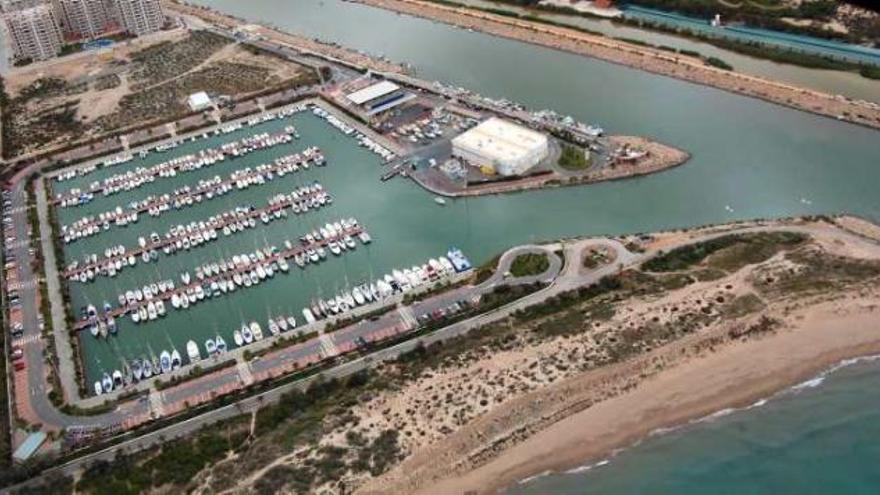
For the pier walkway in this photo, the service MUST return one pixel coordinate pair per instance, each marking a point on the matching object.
(206, 157)
(221, 220)
(165, 296)
(183, 195)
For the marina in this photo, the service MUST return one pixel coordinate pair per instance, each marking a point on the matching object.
(370, 294)
(187, 196)
(175, 235)
(353, 177)
(402, 216)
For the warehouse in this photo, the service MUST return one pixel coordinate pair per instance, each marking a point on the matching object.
(379, 97)
(501, 146)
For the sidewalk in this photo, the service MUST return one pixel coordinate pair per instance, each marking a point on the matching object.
(63, 347)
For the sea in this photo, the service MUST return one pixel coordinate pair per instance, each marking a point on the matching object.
(817, 437)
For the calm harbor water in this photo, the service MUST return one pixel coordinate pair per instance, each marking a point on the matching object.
(759, 159)
(810, 440)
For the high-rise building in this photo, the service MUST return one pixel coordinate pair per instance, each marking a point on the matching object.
(13, 5)
(34, 33)
(140, 17)
(85, 19)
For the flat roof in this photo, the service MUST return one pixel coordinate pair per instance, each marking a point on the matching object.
(500, 140)
(371, 92)
(29, 446)
(200, 98)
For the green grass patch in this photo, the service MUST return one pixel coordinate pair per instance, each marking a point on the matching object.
(573, 158)
(529, 264)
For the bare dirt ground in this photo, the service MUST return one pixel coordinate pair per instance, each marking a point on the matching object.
(90, 93)
(84, 64)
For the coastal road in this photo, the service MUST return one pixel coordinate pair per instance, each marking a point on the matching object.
(37, 397)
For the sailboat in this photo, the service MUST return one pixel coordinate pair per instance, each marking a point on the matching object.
(165, 361)
(175, 359)
(147, 368)
(246, 334)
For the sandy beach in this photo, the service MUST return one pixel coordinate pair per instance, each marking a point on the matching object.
(736, 376)
(547, 409)
(640, 57)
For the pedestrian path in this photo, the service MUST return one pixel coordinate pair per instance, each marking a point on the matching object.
(328, 346)
(244, 371)
(407, 316)
(28, 339)
(157, 406)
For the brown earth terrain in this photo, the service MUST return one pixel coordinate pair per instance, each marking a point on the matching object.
(145, 80)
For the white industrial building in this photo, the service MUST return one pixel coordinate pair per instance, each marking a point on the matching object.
(379, 97)
(198, 101)
(505, 147)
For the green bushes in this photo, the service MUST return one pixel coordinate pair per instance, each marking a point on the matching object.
(870, 72)
(573, 158)
(176, 463)
(717, 62)
(529, 264)
(759, 246)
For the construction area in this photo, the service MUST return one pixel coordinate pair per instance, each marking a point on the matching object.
(140, 82)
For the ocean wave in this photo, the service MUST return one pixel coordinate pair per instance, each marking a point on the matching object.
(587, 467)
(528, 480)
(811, 383)
(820, 378)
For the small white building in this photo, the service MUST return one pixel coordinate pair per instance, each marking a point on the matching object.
(505, 147)
(198, 101)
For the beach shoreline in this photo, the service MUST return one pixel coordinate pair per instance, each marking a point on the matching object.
(683, 67)
(736, 376)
